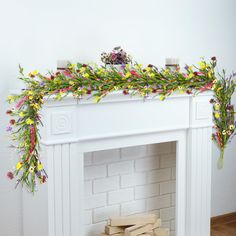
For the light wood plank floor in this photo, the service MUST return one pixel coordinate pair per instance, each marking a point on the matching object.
(224, 229)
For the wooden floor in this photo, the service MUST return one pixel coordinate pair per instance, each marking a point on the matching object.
(224, 225)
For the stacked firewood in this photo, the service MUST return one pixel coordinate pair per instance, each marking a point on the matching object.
(135, 225)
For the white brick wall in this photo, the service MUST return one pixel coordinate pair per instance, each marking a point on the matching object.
(129, 181)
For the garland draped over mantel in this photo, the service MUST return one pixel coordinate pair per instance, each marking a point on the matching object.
(96, 82)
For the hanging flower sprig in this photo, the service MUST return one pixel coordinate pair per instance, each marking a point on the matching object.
(85, 81)
(223, 114)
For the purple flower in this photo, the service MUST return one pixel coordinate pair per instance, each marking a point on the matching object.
(186, 67)
(9, 129)
(41, 84)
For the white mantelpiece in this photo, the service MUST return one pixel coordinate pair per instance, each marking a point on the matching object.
(73, 127)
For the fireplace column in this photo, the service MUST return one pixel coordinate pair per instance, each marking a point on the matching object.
(199, 156)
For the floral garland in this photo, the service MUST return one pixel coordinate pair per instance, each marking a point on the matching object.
(84, 81)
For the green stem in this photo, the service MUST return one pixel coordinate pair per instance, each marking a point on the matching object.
(220, 163)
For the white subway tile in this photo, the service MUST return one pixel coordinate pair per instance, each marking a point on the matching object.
(167, 187)
(95, 229)
(156, 212)
(88, 158)
(88, 190)
(93, 172)
(168, 161)
(96, 200)
(122, 167)
(146, 191)
(159, 175)
(106, 184)
(106, 156)
(123, 195)
(172, 225)
(147, 164)
(172, 233)
(165, 224)
(134, 179)
(173, 172)
(158, 202)
(133, 207)
(88, 217)
(160, 148)
(167, 213)
(104, 213)
(134, 152)
(173, 199)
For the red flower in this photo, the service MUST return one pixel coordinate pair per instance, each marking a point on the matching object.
(125, 92)
(134, 73)
(9, 112)
(44, 178)
(12, 122)
(10, 175)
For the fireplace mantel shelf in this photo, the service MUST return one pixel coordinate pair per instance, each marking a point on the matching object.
(73, 127)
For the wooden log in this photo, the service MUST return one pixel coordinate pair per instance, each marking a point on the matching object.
(118, 234)
(138, 229)
(133, 220)
(161, 232)
(114, 229)
(157, 224)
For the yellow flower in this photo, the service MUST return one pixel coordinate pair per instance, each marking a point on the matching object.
(97, 99)
(219, 89)
(127, 75)
(101, 71)
(40, 167)
(209, 74)
(30, 92)
(36, 106)
(35, 72)
(217, 115)
(202, 65)
(127, 66)
(82, 69)
(31, 97)
(86, 75)
(72, 66)
(231, 127)
(18, 165)
(29, 121)
(148, 69)
(21, 114)
(11, 99)
(139, 66)
(152, 75)
(217, 106)
(71, 83)
(190, 68)
(162, 97)
(191, 75)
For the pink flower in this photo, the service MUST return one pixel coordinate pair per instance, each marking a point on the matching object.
(200, 73)
(21, 102)
(68, 74)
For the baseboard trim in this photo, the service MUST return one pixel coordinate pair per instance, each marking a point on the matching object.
(223, 219)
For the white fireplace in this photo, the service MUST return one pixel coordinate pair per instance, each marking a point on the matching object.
(72, 129)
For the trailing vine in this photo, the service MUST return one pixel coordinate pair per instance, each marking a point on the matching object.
(87, 82)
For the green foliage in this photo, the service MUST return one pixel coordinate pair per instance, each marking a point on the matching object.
(84, 81)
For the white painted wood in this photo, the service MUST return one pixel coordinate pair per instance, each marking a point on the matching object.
(72, 128)
(198, 182)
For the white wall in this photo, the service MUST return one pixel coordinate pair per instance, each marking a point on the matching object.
(37, 33)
